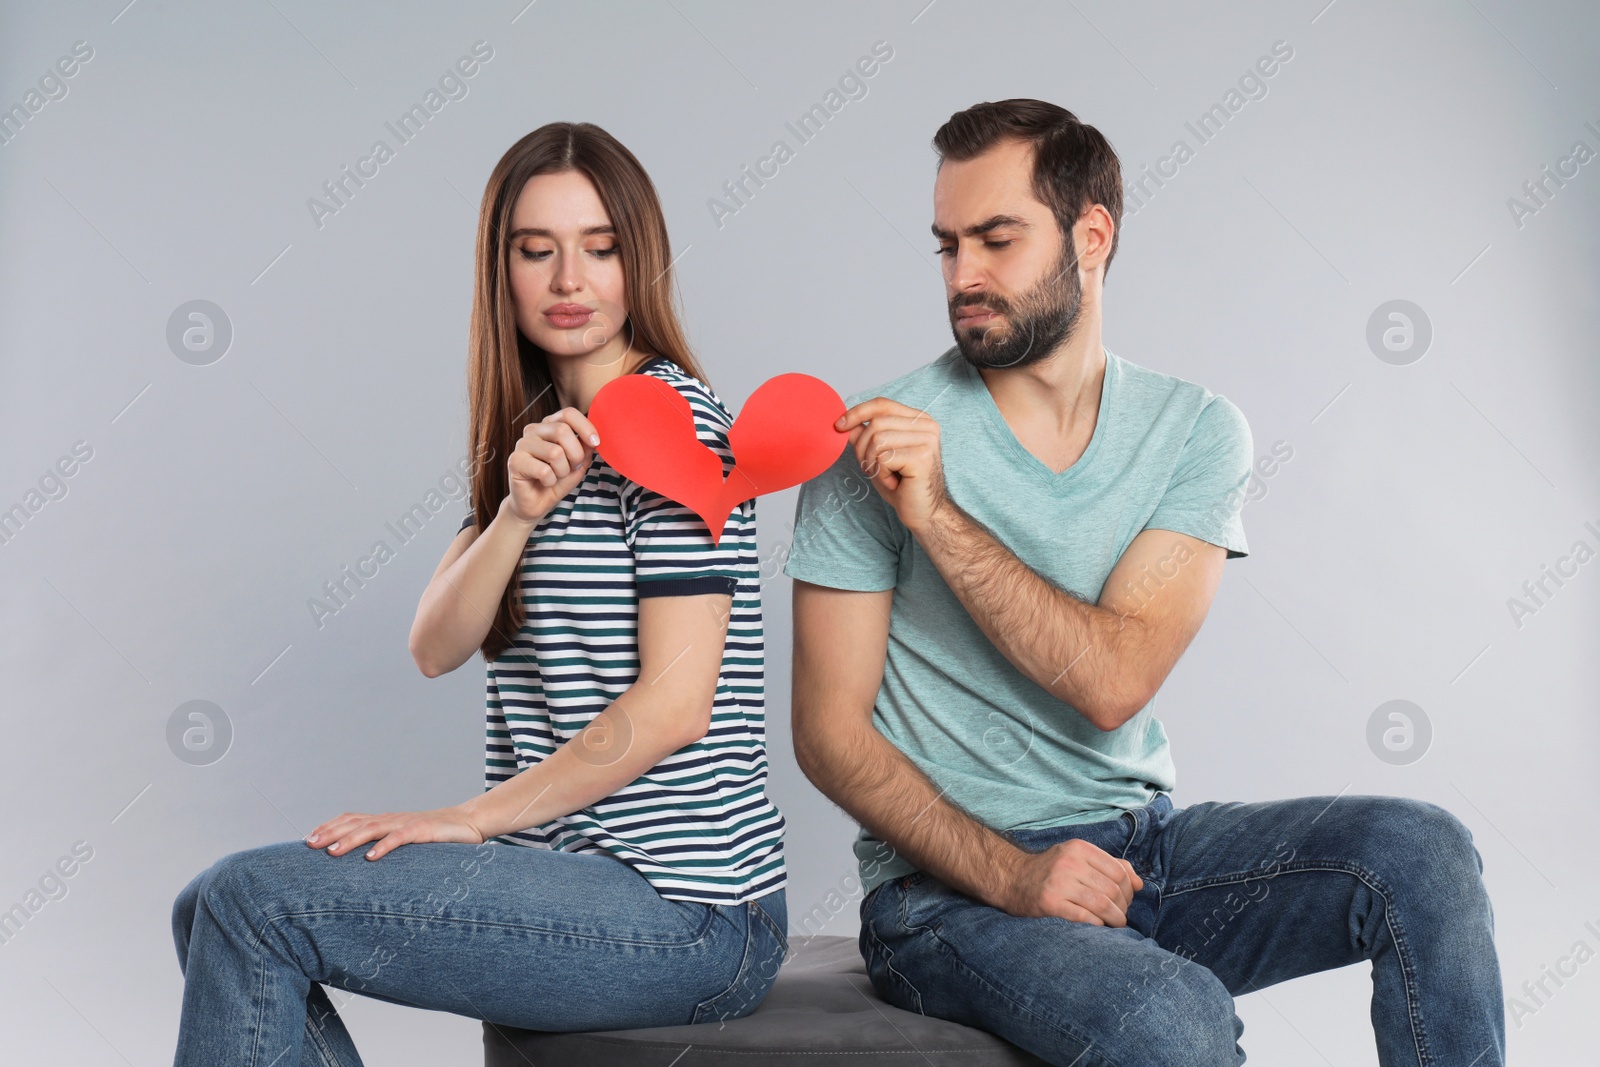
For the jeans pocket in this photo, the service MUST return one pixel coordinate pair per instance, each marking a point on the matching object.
(892, 985)
(766, 945)
(923, 899)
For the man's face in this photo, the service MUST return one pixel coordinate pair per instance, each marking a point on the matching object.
(1011, 281)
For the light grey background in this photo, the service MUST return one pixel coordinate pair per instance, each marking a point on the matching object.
(219, 498)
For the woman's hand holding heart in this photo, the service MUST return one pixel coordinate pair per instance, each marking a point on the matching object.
(552, 457)
(784, 436)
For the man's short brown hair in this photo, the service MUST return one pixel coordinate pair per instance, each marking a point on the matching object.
(1074, 166)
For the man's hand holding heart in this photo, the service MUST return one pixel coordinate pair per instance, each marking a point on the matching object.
(898, 449)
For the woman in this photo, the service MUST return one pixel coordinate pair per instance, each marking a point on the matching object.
(626, 739)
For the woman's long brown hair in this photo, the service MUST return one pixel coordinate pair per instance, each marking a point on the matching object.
(508, 377)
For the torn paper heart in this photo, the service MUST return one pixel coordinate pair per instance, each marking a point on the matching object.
(784, 436)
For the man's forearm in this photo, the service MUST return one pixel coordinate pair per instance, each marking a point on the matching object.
(1079, 652)
(887, 794)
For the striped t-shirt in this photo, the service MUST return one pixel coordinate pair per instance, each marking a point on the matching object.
(698, 825)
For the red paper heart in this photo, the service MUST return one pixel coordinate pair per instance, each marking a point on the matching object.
(784, 436)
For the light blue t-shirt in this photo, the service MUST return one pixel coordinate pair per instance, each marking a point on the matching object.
(1166, 454)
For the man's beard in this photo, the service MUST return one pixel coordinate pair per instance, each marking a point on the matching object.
(1041, 319)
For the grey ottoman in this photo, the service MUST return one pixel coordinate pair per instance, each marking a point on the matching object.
(822, 1009)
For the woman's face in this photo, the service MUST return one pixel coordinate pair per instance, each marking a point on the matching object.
(565, 269)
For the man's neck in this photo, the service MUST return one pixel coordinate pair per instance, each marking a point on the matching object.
(1052, 405)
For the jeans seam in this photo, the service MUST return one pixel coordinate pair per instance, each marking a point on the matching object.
(258, 938)
(1132, 836)
(772, 924)
(738, 975)
(888, 965)
(1419, 1036)
(700, 936)
(261, 998)
(1017, 1005)
(325, 1051)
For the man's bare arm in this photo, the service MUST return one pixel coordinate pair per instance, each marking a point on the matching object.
(840, 645)
(1106, 660)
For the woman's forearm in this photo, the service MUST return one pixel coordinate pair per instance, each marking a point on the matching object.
(459, 605)
(625, 740)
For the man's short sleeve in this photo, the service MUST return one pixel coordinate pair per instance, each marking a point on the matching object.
(845, 535)
(672, 550)
(1206, 495)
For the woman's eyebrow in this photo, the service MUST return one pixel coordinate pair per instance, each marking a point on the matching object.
(539, 231)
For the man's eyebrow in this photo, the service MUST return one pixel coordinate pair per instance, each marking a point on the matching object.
(538, 231)
(994, 222)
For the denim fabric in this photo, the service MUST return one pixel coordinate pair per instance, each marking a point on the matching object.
(518, 936)
(1236, 897)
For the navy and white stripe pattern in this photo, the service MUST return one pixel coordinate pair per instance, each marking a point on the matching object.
(698, 825)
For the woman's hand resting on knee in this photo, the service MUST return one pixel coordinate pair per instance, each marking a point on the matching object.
(352, 829)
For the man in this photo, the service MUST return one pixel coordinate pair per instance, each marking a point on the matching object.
(978, 640)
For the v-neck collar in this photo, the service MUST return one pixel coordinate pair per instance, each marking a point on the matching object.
(1052, 479)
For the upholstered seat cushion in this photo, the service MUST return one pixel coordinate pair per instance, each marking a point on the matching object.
(822, 1009)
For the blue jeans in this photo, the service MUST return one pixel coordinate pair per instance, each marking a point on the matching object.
(1236, 897)
(518, 936)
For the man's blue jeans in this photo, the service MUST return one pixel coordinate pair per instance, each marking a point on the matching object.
(518, 936)
(1236, 897)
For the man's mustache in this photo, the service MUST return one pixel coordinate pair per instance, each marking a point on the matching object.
(994, 304)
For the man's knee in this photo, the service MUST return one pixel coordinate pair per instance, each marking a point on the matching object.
(1144, 1006)
(183, 908)
(1417, 840)
(1177, 1014)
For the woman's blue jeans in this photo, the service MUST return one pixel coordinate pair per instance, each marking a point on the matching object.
(1236, 897)
(517, 936)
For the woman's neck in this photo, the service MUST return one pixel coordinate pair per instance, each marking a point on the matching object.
(578, 378)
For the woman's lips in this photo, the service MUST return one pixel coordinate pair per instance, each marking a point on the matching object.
(567, 317)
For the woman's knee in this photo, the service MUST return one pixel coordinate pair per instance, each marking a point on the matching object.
(247, 884)
(226, 888)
